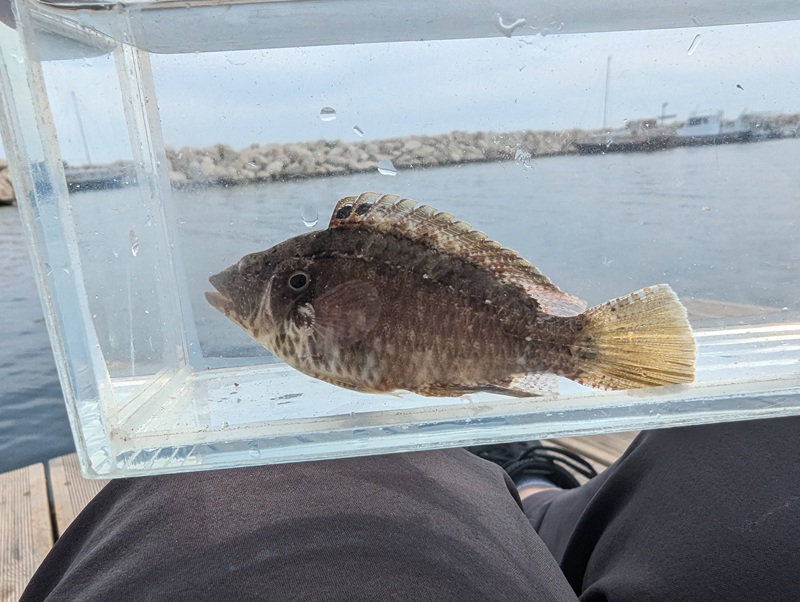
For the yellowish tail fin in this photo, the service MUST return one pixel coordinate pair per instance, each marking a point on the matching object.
(641, 340)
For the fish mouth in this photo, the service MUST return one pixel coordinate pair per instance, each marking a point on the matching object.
(219, 299)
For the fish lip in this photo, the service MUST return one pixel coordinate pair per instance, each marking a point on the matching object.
(219, 299)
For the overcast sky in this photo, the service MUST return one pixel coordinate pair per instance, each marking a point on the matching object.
(498, 84)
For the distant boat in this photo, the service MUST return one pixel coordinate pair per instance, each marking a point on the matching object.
(640, 135)
(647, 135)
(712, 129)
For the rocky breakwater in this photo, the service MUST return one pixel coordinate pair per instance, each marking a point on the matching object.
(6, 188)
(223, 165)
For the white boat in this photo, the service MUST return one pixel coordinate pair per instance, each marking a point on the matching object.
(713, 129)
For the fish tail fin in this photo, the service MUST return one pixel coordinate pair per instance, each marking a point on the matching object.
(640, 340)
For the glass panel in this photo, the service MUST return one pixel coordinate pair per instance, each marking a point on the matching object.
(614, 153)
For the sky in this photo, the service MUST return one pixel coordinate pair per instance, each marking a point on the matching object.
(526, 81)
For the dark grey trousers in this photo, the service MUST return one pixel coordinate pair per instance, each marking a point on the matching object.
(695, 513)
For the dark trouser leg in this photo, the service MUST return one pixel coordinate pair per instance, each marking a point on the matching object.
(426, 526)
(695, 513)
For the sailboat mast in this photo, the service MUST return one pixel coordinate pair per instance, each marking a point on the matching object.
(605, 94)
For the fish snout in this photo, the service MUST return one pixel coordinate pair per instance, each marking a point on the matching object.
(221, 298)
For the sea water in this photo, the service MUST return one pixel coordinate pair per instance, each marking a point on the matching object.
(224, 129)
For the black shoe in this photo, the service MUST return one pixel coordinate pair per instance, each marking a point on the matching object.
(553, 464)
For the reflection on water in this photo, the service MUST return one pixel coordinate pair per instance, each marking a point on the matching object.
(33, 420)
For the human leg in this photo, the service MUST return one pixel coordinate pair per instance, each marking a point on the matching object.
(438, 525)
(694, 513)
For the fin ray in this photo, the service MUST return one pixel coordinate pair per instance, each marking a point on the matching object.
(389, 213)
(642, 340)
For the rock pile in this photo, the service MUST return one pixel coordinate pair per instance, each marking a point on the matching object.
(6, 188)
(221, 164)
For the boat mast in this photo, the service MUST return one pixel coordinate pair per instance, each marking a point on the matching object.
(605, 94)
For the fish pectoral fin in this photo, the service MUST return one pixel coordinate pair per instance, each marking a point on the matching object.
(347, 312)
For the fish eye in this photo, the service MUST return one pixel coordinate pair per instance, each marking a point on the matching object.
(299, 280)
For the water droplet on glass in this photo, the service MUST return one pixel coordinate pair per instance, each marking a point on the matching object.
(327, 114)
(386, 168)
(508, 28)
(134, 242)
(224, 424)
(309, 215)
(706, 208)
(253, 449)
(523, 157)
(693, 46)
(358, 130)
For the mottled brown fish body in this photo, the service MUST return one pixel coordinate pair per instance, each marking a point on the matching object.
(442, 326)
(395, 296)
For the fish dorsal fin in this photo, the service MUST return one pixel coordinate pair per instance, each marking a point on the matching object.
(390, 214)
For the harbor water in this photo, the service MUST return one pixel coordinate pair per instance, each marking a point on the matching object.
(716, 223)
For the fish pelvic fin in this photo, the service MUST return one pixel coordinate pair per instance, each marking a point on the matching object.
(641, 340)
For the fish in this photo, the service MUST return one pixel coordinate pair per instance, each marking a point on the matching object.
(397, 296)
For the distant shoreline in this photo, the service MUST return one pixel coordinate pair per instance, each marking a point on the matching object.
(6, 189)
(223, 165)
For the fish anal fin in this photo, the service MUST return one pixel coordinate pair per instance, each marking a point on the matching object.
(533, 384)
(390, 214)
(519, 385)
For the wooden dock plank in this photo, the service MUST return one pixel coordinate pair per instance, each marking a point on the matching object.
(699, 309)
(600, 450)
(71, 492)
(26, 533)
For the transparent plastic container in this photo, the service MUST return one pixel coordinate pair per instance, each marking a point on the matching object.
(155, 143)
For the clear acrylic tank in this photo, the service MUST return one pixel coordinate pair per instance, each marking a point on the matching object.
(157, 142)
